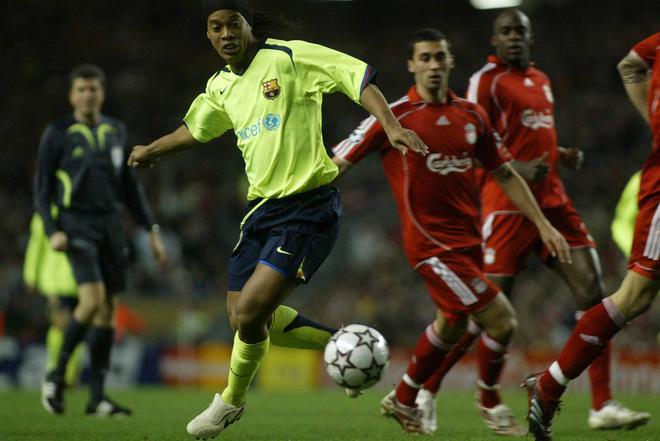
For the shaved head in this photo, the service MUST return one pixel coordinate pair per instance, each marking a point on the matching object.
(512, 37)
(509, 15)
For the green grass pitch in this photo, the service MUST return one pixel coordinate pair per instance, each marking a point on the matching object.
(162, 414)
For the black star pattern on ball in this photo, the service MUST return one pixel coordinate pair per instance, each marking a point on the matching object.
(374, 371)
(342, 361)
(367, 339)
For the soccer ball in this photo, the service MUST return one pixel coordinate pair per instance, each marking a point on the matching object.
(356, 357)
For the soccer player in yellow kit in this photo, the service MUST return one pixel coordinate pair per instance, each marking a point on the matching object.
(270, 95)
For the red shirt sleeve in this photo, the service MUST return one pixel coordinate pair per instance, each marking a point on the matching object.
(486, 149)
(646, 49)
(367, 137)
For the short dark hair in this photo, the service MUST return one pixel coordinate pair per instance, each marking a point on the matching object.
(426, 34)
(87, 71)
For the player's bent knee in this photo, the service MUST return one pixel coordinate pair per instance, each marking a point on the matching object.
(250, 320)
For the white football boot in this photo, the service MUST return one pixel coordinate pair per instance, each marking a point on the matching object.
(215, 418)
(614, 415)
(426, 403)
(410, 418)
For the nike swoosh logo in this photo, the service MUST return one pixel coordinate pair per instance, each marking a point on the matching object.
(223, 91)
(281, 251)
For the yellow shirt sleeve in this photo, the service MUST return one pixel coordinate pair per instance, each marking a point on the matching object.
(623, 226)
(326, 70)
(206, 118)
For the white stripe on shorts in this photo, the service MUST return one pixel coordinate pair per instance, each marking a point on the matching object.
(452, 280)
(652, 248)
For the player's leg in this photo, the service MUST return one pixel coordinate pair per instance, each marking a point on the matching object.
(287, 327)
(584, 278)
(587, 341)
(89, 296)
(102, 331)
(60, 309)
(499, 324)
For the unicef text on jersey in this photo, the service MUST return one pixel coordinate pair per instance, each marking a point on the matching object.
(270, 122)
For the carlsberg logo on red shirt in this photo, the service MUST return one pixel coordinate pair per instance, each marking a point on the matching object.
(445, 164)
(537, 120)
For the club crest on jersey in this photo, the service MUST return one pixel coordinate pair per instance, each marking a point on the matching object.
(470, 133)
(271, 89)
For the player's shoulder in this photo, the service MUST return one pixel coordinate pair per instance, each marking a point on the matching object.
(401, 105)
(536, 71)
(487, 72)
(470, 107)
(61, 125)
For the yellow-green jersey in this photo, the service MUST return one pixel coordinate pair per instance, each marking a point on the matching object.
(623, 226)
(274, 108)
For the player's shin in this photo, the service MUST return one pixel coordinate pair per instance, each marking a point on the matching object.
(433, 384)
(588, 340)
(74, 334)
(429, 353)
(291, 330)
(245, 360)
(100, 344)
(491, 357)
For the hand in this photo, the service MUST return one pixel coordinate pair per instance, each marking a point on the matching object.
(572, 158)
(535, 170)
(403, 139)
(157, 247)
(141, 156)
(58, 241)
(556, 243)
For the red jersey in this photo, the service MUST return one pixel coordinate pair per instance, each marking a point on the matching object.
(520, 107)
(649, 51)
(436, 195)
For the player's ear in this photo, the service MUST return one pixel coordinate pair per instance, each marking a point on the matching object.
(452, 61)
(410, 66)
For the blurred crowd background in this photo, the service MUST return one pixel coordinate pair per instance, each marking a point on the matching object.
(158, 59)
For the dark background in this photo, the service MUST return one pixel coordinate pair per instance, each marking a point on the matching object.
(158, 59)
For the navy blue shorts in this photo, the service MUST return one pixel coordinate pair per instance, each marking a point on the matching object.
(97, 249)
(292, 235)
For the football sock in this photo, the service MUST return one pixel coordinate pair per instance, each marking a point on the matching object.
(429, 352)
(100, 345)
(74, 334)
(599, 375)
(74, 367)
(54, 341)
(588, 340)
(491, 357)
(291, 330)
(245, 360)
(433, 384)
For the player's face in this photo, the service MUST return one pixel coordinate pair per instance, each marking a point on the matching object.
(512, 38)
(86, 96)
(431, 63)
(230, 35)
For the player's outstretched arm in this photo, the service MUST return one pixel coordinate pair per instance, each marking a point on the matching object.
(519, 193)
(400, 138)
(147, 156)
(634, 75)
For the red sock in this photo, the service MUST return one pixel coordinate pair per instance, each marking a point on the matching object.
(491, 356)
(588, 340)
(433, 384)
(429, 352)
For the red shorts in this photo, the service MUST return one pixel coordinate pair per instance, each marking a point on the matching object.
(509, 237)
(457, 283)
(645, 254)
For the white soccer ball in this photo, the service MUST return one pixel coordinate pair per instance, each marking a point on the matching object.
(356, 357)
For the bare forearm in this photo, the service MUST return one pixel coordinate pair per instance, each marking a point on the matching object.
(519, 193)
(178, 140)
(374, 102)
